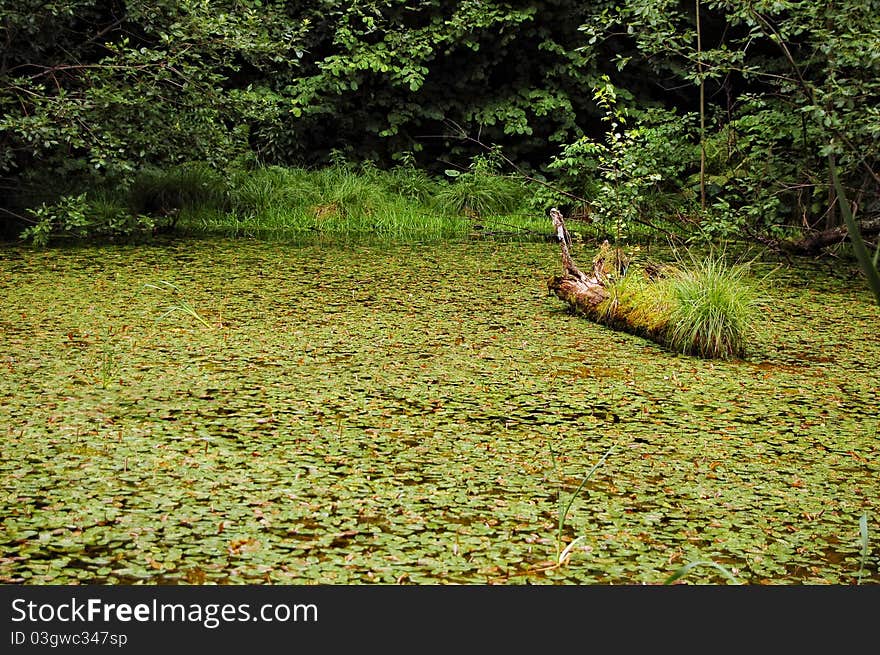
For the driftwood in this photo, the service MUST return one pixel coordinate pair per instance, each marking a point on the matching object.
(587, 293)
(647, 300)
(814, 243)
(584, 291)
(581, 290)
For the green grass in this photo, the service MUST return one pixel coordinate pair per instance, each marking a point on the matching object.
(684, 570)
(339, 202)
(409, 183)
(706, 307)
(643, 305)
(344, 200)
(184, 187)
(179, 303)
(562, 554)
(265, 191)
(863, 539)
(713, 309)
(477, 194)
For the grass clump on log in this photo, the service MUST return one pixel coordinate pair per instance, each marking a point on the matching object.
(635, 302)
(705, 307)
(713, 309)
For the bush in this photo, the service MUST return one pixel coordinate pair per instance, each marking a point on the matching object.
(79, 217)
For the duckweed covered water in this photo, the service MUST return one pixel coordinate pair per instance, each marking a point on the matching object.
(415, 414)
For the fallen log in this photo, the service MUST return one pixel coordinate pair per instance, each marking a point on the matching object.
(585, 292)
(814, 243)
(706, 311)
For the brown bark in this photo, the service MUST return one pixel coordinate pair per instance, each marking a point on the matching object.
(583, 291)
(813, 244)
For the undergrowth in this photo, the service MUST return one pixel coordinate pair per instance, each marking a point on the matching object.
(341, 199)
(344, 199)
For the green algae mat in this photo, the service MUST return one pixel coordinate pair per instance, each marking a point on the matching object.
(251, 412)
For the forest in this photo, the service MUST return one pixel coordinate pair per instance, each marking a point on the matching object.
(433, 291)
(713, 119)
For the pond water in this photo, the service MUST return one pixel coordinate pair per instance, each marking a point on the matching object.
(382, 413)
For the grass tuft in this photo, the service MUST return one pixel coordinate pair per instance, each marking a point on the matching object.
(707, 308)
(712, 310)
(476, 194)
(863, 534)
(180, 304)
(265, 191)
(562, 555)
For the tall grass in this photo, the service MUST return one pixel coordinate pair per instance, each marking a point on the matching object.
(705, 307)
(409, 183)
(183, 187)
(347, 200)
(342, 200)
(477, 194)
(713, 309)
(863, 534)
(267, 190)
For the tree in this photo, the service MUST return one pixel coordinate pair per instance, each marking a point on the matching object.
(93, 90)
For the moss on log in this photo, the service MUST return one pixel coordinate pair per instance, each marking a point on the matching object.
(707, 311)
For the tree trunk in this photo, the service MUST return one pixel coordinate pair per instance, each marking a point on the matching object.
(813, 244)
(585, 292)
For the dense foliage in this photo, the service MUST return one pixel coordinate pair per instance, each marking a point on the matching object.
(714, 118)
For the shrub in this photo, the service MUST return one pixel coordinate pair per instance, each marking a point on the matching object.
(79, 217)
